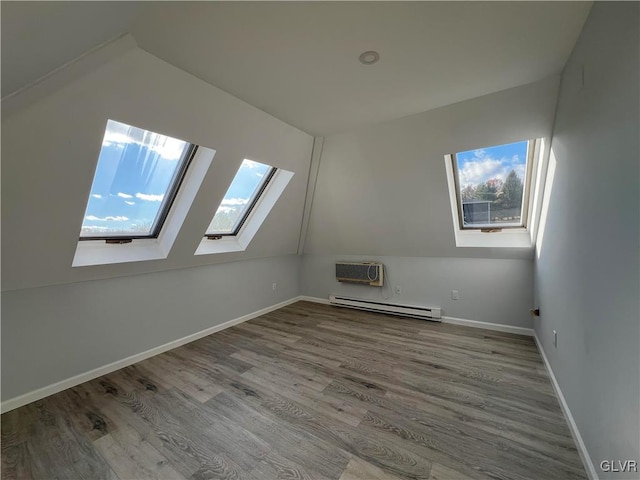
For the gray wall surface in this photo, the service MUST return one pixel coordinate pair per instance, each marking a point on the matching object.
(50, 147)
(53, 333)
(490, 290)
(381, 194)
(587, 273)
(382, 189)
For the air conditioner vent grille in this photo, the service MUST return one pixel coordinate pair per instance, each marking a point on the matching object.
(370, 273)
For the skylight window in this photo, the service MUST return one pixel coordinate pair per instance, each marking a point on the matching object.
(496, 194)
(248, 184)
(492, 186)
(136, 180)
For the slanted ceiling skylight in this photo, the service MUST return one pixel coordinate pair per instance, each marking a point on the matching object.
(249, 183)
(495, 193)
(143, 188)
(252, 194)
(492, 184)
(136, 180)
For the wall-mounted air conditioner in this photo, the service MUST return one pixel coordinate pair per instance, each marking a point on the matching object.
(369, 273)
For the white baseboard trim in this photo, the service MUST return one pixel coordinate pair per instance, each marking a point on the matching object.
(498, 327)
(573, 427)
(43, 392)
(457, 321)
(324, 301)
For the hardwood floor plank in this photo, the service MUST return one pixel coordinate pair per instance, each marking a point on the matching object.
(132, 457)
(56, 450)
(84, 416)
(318, 456)
(181, 376)
(308, 392)
(277, 467)
(390, 456)
(358, 469)
(442, 472)
(336, 409)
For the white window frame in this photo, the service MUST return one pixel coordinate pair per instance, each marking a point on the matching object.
(262, 186)
(494, 236)
(143, 249)
(255, 218)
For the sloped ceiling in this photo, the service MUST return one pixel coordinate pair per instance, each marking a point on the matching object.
(38, 37)
(49, 153)
(298, 61)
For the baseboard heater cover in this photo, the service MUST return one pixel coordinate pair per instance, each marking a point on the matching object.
(430, 313)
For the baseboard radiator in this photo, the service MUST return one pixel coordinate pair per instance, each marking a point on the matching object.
(428, 313)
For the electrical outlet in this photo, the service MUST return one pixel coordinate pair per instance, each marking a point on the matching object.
(274, 286)
(555, 339)
(455, 295)
(398, 290)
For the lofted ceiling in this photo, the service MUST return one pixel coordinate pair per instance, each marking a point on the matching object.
(298, 61)
(38, 37)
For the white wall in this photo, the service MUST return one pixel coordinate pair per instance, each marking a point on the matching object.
(50, 147)
(60, 321)
(490, 290)
(53, 333)
(382, 190)
(587, 275)
(381, 193)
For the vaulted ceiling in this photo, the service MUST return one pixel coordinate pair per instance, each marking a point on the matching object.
(298, 61)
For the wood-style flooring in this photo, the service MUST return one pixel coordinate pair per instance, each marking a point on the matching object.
(308, 392)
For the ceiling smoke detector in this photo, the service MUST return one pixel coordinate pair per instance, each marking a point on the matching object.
(369, 58)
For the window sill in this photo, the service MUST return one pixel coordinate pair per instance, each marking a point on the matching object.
(223, 245)
(508, 238)
(266, 202)
(97, 252)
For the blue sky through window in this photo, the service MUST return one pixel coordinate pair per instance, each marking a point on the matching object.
(491, 184)
(483, 164)
(239, 197)
(136, 168)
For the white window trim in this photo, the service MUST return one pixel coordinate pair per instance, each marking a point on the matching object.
(240, 242)
(523, 237)
(97, 252)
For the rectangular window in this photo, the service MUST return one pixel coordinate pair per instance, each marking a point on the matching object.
(243, 193)
(136, 180)
(492, 186)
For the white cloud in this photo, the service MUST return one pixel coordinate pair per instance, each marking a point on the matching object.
(483, 168)
(251, 164)
(124, 195)
(105, 219)
(150, 197)
(169, 148)
(225, 209)
(235, 201)
(94, 229)
(130, 203)
(96, 195)
(479, 171)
